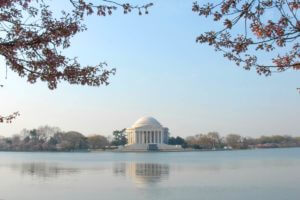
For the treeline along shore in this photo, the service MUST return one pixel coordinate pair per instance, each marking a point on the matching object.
(48, 138)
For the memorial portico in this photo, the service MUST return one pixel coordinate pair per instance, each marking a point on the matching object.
(147, 134)
(147, 130)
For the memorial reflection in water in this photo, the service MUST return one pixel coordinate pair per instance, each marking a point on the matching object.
(143, 173)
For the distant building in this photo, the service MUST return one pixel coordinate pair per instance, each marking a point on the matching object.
(147, 130)
(148, 134)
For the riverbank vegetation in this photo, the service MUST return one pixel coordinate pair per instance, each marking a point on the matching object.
(47, 138)
(213, 140)
(52, 139)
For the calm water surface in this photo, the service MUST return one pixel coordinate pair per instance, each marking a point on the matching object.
(272, 174)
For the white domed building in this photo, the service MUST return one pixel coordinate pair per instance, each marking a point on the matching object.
(148, 134)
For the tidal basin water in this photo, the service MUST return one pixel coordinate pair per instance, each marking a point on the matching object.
(270, 174)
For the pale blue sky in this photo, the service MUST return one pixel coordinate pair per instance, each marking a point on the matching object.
(161, 72)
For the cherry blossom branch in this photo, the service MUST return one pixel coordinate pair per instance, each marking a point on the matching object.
(9, 118)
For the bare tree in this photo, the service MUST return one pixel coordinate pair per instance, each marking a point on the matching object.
(97, 142)
(234, 141)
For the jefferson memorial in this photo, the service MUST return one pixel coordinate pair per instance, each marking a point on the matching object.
(148, 134)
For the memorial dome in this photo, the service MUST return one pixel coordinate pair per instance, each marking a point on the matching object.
(146, 122)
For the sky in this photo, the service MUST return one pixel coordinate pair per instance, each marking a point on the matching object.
(161, 72)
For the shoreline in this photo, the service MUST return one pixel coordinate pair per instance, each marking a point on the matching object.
(161, 151)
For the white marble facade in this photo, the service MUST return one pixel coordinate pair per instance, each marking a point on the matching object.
(147, 130)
